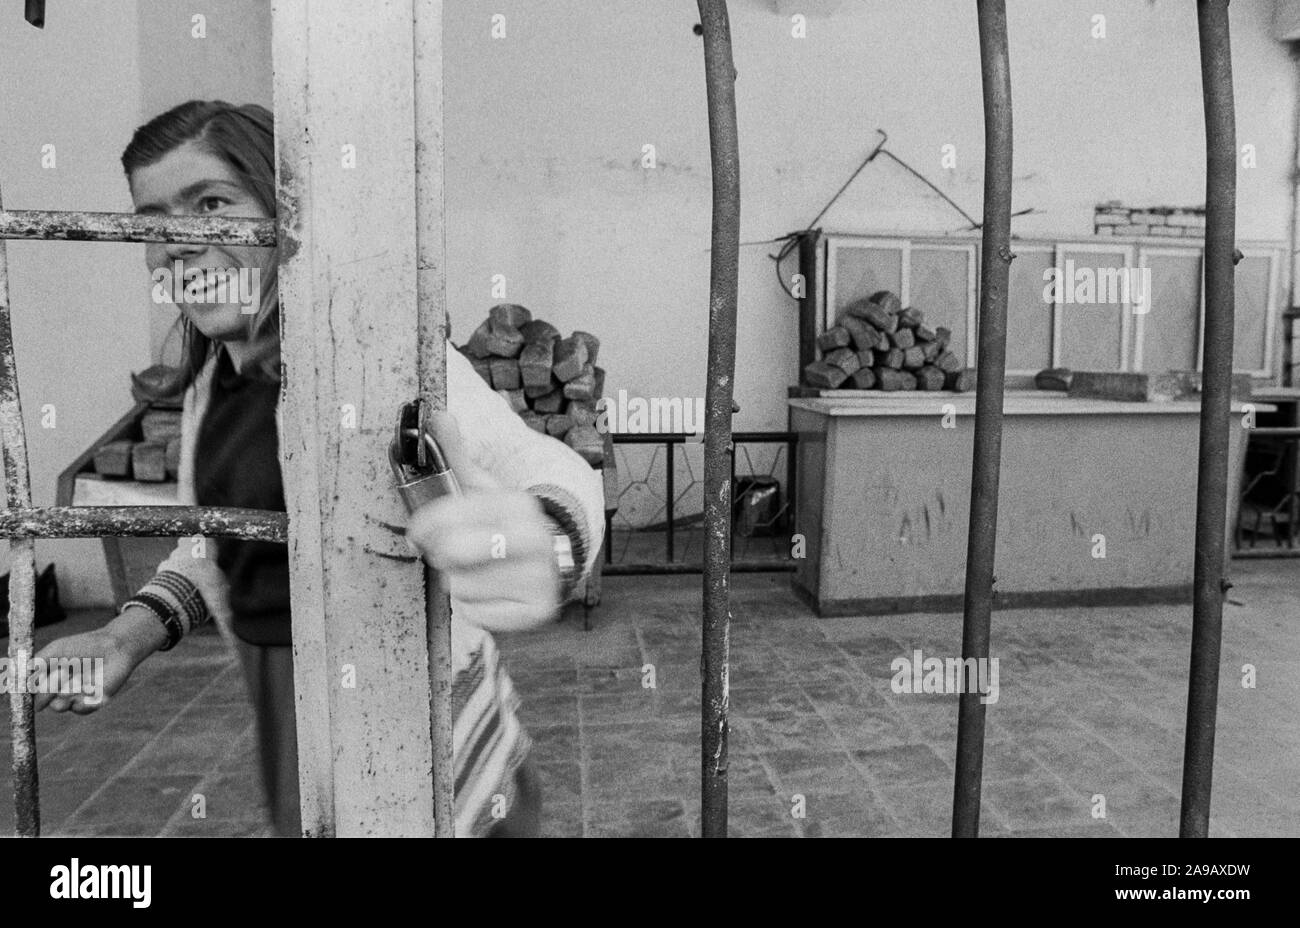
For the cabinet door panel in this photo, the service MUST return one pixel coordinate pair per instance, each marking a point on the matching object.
(1029, 316)
(940, 288)
(1171, 326)
(1250, 314)
(860, 271)
(1092, 332)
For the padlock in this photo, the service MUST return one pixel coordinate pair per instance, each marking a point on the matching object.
(424, 488)
(419, 466)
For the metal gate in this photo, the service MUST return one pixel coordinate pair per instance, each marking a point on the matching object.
(294, 225)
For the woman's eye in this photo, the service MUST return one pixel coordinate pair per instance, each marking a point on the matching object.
(211, 204)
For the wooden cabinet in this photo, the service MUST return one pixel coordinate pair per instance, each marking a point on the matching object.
(1154, 325)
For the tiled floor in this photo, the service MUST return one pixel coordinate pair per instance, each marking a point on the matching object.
(1089, 719)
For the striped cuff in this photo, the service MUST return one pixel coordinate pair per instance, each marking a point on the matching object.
(562, 507)
(176, 601)
(167, 618)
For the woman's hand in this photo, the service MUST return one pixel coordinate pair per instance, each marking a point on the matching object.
(122, 644)
(493, 545)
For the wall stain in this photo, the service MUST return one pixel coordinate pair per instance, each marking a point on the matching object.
(634, 166)
(1143, 524)
(935, 522)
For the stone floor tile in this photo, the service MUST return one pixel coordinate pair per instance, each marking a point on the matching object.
(151, 800)
(926, 811)
(1040, 802)
(637, 818)
(910, 765)
(857, 814)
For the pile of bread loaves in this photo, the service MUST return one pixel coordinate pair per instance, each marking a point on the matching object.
(552, 382)
(154, 457)
(876, 344)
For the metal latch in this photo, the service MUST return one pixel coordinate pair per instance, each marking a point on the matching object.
(419, 466)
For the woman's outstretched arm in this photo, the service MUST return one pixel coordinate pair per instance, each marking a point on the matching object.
(571, 491)
(495, 542)
(188, 590)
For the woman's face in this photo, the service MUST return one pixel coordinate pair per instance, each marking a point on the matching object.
(216, 287)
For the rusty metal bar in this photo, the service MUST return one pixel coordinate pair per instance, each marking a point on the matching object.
(1208, 581)
(808, 321)
(981, 544)
(720, 82)
(52, 225)
(431, 303)
(791, 481)
(1261, 554)
(22, 573)
(143, 522)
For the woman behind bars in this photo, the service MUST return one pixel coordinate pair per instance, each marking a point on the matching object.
(215, 159)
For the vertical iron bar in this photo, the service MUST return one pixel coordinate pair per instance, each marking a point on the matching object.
(431, 300)
(22, 573)
(790, 486)
(808, 302)
(995, 68)
(720, 81)
(1209, 583)
(672, 493)
(1293, 229)
(34, 13)
(731, 482)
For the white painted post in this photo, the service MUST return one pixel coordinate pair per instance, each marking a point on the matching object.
(431, 286)
(344, 76)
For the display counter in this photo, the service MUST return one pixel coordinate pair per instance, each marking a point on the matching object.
(1097, 502)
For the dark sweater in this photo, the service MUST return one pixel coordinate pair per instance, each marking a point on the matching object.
(237, 463)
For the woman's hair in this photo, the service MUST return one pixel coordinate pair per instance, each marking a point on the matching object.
(244, 138)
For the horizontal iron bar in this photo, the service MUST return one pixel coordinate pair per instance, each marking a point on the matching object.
(1244, 553)
(1274, 432)
(51, 225)
(737, 567)
(679, 438)
(143, 522)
